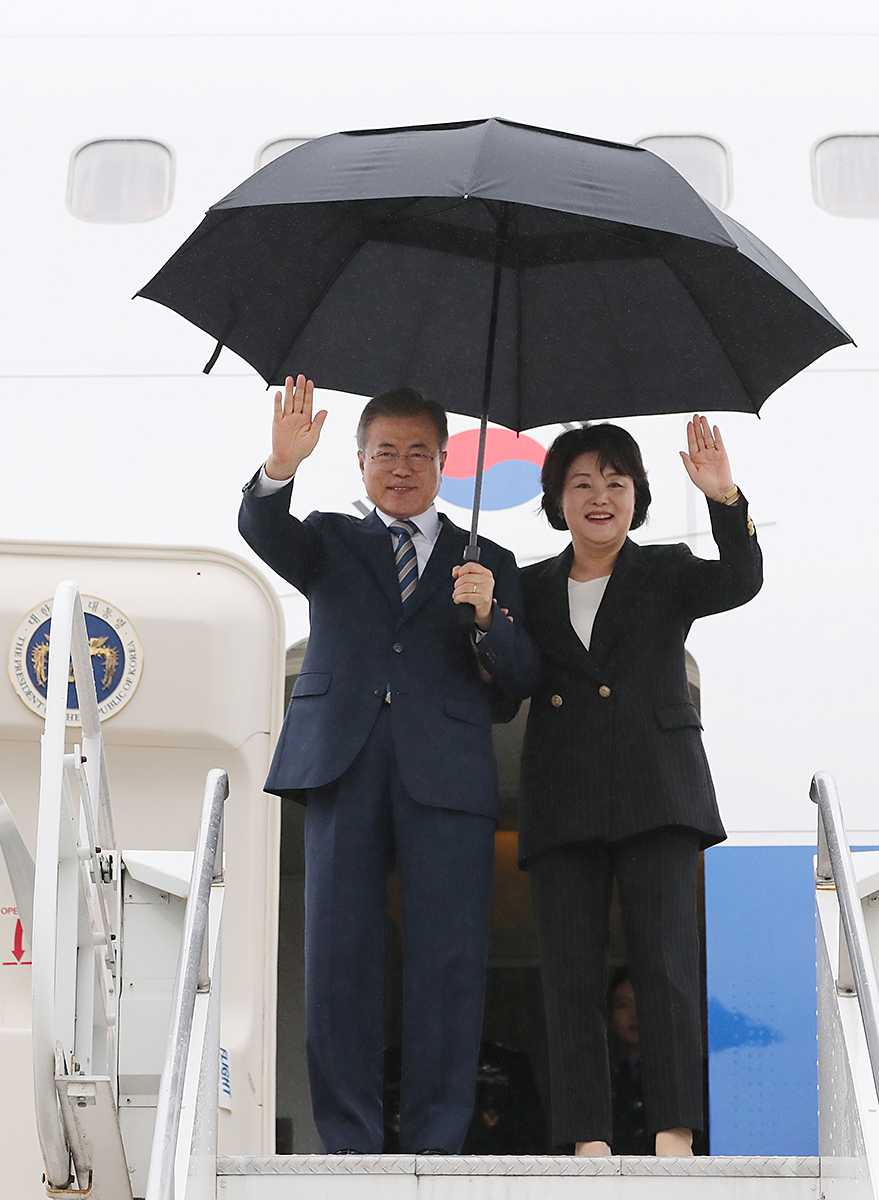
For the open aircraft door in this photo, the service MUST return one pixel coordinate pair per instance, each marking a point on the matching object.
(187, 649)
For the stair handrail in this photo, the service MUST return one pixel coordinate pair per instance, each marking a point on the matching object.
(207, 869)
(69, 642)
(19, 867)
(835, 868)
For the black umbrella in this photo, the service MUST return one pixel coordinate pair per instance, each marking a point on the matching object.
(535, 275)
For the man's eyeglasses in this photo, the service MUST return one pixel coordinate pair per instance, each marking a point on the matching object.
(416, 461)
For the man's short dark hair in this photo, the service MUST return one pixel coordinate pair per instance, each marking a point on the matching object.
(615, 447)
(402, 402)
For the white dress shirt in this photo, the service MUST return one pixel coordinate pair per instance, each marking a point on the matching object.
(425, 538)
(428, 522)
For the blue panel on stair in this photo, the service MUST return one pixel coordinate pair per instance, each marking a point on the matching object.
(762, 1025)
(762, 1020)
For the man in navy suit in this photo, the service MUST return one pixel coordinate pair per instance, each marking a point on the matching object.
(388, 742)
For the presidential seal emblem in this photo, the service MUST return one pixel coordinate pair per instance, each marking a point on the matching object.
(116, 656)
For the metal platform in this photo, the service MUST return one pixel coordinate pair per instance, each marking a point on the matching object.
(436, 1177)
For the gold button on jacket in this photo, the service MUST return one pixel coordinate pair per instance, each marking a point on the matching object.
(557, 702)
(604, 691)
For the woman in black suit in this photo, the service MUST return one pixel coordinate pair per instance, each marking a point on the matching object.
(615, 782)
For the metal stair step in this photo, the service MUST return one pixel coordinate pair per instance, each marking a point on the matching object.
(543, 1177)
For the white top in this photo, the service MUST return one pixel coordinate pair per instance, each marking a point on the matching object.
(583, 601)
(428, 522)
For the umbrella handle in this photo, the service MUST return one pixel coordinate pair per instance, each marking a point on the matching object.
(466, 622)
(466, 612)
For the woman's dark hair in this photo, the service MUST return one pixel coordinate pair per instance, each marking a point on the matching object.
(615, 448)
(403, 402)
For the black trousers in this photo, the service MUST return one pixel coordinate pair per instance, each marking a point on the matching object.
(356, 829)
(656, 874)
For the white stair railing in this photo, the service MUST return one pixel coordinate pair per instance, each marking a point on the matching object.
(835, 867)
(847, 895)
(75, 919)
(183, 1163)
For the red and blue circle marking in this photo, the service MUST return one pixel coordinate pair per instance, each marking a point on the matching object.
(512, 469)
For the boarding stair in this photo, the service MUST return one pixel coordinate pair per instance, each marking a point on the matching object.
(126, 1034)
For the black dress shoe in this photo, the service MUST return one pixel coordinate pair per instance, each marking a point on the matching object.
(346, 1152)
(432, 1152)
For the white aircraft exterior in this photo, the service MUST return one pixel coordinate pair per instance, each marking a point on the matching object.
(110, 433)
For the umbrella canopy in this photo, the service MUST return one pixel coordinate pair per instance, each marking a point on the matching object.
(556, 276)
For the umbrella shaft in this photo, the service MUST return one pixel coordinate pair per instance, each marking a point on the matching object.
(471, 552)
(500, 245)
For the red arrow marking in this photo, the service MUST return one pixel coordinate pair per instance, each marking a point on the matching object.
(18, 948)
(18, 959)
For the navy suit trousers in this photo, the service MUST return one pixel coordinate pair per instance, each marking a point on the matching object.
(357, 828)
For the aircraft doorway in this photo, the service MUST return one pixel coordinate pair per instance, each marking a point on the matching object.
(513, 1103)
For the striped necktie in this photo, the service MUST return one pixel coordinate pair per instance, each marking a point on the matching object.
(405, 557)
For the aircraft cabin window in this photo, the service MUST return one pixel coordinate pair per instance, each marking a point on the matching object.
(845, 175)
(703, 161)
(272, 150)
(120, 181)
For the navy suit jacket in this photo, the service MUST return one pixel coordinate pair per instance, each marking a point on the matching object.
(362, 642)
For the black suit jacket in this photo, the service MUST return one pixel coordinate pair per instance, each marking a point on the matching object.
(362, 640)
(613, 746)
